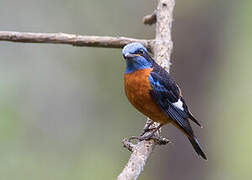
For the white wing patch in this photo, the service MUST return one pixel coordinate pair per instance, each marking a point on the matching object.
(179, 104)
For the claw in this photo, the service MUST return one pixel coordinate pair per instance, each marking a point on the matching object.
(158, 140)
(151, 135)
(143, 136)
(133, 137)
(146, 128)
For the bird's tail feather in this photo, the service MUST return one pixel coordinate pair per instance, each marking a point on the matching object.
(196, 146)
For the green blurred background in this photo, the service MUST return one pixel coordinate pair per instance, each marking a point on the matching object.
(63, 112)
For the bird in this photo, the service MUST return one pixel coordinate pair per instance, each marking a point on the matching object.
(153, 92)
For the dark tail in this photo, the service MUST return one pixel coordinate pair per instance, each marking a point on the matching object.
(196, 146)
(194, 120)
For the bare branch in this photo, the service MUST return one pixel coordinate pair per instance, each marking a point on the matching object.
(71, 39)
(162, 49)
(163, 44)
(150, 19)
(138, 158)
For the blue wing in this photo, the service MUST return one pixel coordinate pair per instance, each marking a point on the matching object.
(166, 93)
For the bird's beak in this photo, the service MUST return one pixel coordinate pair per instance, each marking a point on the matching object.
(128, 55)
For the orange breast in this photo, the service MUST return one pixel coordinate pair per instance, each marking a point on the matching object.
(137, 88)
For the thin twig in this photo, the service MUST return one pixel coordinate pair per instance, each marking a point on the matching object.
(127, 144)
(162, 49)
(72, 39)
(150, 19)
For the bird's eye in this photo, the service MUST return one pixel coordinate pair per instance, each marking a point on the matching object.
(141, 51)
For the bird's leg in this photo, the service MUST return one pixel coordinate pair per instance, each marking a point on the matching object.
(149, 136)
(147, 127)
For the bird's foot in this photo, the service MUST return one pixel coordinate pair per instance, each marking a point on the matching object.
(158, 140)
(147, 130)
(147, 135)
(147, 127)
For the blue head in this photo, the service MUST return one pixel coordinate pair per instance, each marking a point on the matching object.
(137, 57)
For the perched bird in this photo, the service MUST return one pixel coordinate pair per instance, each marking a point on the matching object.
(152, 91)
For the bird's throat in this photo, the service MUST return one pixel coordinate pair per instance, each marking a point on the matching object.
(133, 65)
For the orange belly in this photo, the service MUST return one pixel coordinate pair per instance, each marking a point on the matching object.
(137, 87)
